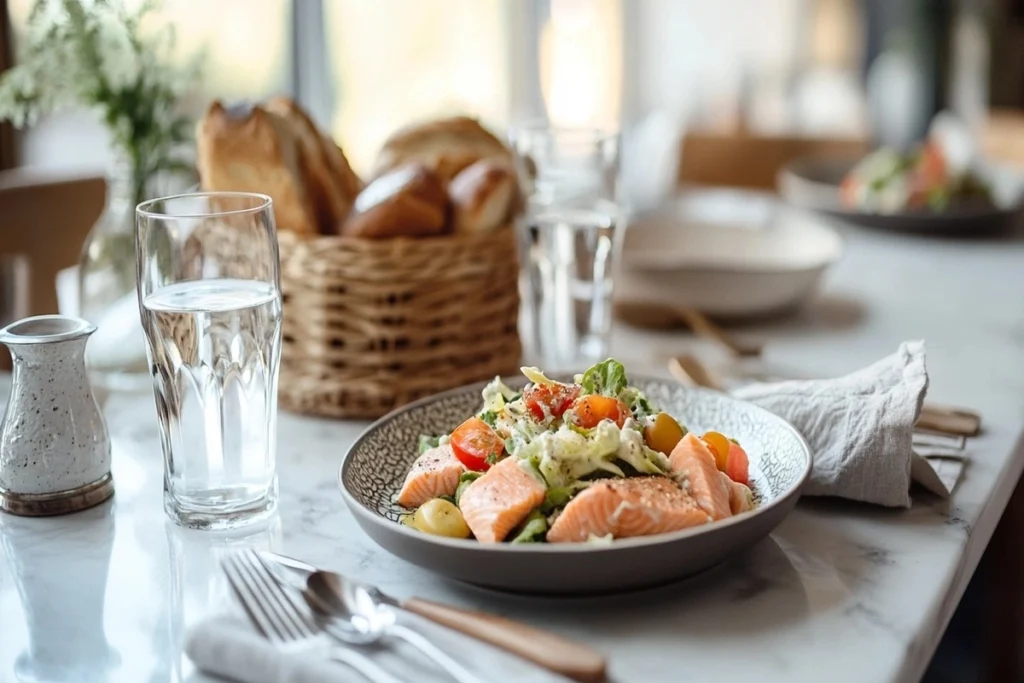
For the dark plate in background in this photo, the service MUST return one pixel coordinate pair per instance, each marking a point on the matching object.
(813, 183)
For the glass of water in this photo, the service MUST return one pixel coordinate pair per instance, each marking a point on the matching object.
(569, 241)
(210, 299)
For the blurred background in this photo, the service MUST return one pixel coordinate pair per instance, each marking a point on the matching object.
(839, 71)
(721, 92)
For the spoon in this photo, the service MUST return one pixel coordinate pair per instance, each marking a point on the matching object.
(544, 648)
(361, 619)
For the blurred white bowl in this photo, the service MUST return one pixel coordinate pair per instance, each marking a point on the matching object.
(727, 253)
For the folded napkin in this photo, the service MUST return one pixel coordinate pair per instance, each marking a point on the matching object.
(228, 646)
(860, 429)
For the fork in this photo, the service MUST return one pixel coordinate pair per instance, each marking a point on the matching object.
(283, 618)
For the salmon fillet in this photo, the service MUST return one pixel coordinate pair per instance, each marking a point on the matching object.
(435, 473)
(499, 500)
(692, 459)
(740, 498)
(639, 506)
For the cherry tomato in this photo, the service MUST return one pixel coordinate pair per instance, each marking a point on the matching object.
(664, 434)
(549, 399)
(590, 410)
(738, 465)
(719, 447)
(473, 442)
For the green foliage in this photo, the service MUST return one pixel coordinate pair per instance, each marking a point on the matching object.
(100, 55)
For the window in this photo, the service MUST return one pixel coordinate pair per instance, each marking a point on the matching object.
(366, 67)
(393, 61)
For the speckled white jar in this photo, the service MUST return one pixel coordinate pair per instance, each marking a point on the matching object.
(53, 438)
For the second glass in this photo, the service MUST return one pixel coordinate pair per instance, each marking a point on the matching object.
(569, 242)
(210, 300)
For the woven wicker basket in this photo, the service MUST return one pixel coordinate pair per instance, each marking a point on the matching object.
(372, 324)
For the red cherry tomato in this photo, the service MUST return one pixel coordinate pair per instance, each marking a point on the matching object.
(590, 410)
(549, 399)
(737, 466)
(473, 442)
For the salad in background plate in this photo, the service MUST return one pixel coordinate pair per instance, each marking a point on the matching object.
(937, 176)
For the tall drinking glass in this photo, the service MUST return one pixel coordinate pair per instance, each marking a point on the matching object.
(570, 239)
(210, 299)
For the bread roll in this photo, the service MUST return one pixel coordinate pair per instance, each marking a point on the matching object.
(409, 201)
(483, 196)
(351, 184)
(248, 149)
(331, 193)
(446, 146)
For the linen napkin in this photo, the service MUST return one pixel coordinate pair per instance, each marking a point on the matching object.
(227, 645)
(860, 429)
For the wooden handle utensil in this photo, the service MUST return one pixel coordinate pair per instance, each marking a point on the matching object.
(545, 649)
(702, 325)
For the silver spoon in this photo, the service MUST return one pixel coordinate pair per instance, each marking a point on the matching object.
(360, 619)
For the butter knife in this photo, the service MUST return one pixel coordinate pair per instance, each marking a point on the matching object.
(543, 648)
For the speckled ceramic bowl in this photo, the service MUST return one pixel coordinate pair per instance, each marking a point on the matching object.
(376, 465)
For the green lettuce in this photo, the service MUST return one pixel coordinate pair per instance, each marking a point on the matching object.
(533, 529)
(465, 480)
(607, 378)
(564, 456)
(427, 442)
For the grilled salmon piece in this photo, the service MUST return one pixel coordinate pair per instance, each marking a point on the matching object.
(692, 459)
(740, 497)
(435, 473)
(638, 506)
(499, 500)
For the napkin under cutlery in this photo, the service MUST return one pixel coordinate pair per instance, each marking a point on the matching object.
(227, 645)
(860, 429)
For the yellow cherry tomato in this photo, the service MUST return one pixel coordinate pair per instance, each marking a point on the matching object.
(664, 434)
(441, 518)
(719, 446)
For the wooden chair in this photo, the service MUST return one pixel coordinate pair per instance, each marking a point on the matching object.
(744, 160)
(44, 220)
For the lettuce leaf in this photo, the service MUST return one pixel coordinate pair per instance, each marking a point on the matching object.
(564, 456)
(607, 378)
(465, 480)
(427, 442)
(533, 529)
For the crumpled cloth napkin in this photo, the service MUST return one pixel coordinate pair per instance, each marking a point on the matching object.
(227, 645)
(860, 429)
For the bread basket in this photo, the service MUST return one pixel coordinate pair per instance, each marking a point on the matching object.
(370, 325)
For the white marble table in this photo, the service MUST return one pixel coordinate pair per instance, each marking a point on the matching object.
(847, 591)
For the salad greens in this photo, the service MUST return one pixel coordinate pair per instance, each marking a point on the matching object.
(465, 480)
(532, 529)
(427, 442)
(607, 378)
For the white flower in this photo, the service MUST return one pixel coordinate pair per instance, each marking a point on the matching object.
(121, 62)
(95, 53)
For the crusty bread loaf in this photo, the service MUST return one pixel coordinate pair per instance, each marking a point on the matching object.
(483, 196)
(248, 149)
(330, 192)
(446, 146)
(351, 184)
(408, 201)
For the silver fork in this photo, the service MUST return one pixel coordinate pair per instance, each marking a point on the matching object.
(283, 618)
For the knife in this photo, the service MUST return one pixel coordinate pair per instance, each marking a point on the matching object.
(546, 649)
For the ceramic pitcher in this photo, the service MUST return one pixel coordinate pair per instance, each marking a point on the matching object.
(54, 446)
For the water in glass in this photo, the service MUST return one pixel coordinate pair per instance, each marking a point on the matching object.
(214, 347)
(569, 268)
(570, 238)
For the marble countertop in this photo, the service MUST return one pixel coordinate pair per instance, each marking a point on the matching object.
(863, 593)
